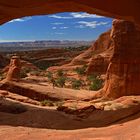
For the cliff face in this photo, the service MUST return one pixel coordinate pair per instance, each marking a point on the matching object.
(102, 44)
(101, 54)
(123, 74)
(82, 58)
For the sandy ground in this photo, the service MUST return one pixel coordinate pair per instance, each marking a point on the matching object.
(46, 89)
(124, 131)
(46, 123)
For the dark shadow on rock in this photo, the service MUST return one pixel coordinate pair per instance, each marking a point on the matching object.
(37, 117)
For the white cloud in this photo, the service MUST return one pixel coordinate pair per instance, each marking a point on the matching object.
(57, 23)
(59, 17)
(59, 33)
(20, 19)
(84, 15)
(91, 24)
(64, 27)
(16, 20)
(53, 28)
(80, 26)
(76, 15)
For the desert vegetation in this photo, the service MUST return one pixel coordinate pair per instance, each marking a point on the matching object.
(83, 81)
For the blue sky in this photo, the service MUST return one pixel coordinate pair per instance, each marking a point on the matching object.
(61, 26)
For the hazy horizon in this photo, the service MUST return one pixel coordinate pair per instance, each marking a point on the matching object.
(11, 41)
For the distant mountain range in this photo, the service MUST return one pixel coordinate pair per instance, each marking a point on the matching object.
(34, 45)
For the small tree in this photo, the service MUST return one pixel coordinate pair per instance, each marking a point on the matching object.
(95, 82)
(51, 79)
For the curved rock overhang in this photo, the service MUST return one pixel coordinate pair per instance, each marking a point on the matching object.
(122, 9)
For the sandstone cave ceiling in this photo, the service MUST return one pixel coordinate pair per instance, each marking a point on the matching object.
(123, 9)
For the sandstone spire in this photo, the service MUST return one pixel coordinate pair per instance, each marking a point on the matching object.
(14, 69)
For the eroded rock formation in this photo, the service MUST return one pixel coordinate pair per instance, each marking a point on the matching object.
(98, 65)
(125, 9)
(97, 57)
(102, 51)
(14, 69)
(123, 74)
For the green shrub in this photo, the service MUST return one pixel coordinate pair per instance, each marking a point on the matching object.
(61, 81)
(23, 74)
(52, 103)
(96, 84)
(47, 103)
(92, 78)
(60, 73)
(76, 84)
(59, 103)
(49, 75)
(51, 78)
(43, 65)
(81, 70)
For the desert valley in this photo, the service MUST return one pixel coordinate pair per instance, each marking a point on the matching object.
(72, 90)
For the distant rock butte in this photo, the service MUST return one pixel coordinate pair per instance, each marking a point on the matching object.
(97, 57)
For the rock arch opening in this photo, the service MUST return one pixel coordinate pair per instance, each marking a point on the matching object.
(108, 8)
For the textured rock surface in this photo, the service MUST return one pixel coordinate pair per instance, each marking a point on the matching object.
(126, 9)
(123, 74)
(83, 58)
(102, 51)
(97, 57)
(98, 65)
(14, 69)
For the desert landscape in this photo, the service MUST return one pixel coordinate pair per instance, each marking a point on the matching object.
(85, 92)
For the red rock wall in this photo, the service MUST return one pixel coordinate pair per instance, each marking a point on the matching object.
(102, 51)
(124, 9)
(123, 74)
